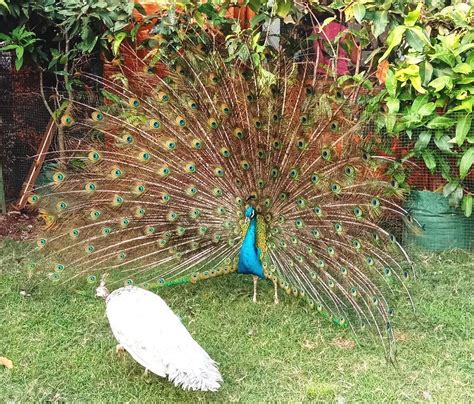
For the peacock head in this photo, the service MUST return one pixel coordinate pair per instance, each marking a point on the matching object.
(249, 213)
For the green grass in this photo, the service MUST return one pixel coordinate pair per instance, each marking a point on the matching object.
(63, 350)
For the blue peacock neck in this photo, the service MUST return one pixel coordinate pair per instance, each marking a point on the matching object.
(249, 257)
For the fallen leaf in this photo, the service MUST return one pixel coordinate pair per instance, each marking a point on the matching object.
(6, 362)
(382, 71)
(343, 343)
(427, 396)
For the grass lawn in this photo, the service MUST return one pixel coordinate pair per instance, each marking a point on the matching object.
(63, 349)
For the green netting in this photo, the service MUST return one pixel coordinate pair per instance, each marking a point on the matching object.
(444, 227)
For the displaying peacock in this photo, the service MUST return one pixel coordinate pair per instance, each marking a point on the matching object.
(217, 167)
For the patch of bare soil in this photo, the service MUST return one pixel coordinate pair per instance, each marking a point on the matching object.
(18, 226)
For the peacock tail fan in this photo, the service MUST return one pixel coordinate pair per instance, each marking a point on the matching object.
(157, 195)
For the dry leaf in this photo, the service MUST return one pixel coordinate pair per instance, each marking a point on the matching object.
(6, 362)
(343, 343)
(382, 71)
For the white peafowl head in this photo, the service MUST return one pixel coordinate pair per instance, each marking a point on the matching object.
(102, 291)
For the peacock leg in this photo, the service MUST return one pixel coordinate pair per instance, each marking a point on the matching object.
(275, 284)
(255, 279)
(146, 377)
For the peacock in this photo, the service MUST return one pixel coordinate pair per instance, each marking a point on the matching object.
(154, 336)
(210, 167)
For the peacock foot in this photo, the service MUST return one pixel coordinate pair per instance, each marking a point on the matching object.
(119, 349)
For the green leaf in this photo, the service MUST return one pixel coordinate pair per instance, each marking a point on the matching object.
(445, 55)
(427, 109)
(412, 17)
(440, 122)
(284, 7)
(417, 38)
(441, 82)
(429, 159)
(259, 18)
(391, 83)
(464, 48)
(4, 4)
(467, 205)
(443, 144)
(414, 41)
(359, 12)
(416, 83)
(418, 102)
(8, 47)
(462, 68)
(390, 121)
(393, 104)
(449, 188)
(423, 141)
(394, 39)
(18, 63)
(462, 129)
(380, 23)
(117, 41)
(426, 72)
(466, 105)
(466, 162)
(139, 8)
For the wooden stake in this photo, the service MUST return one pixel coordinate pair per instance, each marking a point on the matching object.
(36, 165)
(3, 201)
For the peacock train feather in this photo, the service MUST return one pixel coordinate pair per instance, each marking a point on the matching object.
(183, 166)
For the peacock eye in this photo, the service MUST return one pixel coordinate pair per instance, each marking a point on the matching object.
(239, 133)
(375, 202)
(225, 152)
(213, 123)
(276, 144)
(357, 212)
(349, 171)
(336, 188)
(97, 116)
(356, 244)
(301, 144)
(294, 173)
(245, 165)
(326, 154)
(334, 126)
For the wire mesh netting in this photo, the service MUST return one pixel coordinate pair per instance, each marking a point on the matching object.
(23, 120)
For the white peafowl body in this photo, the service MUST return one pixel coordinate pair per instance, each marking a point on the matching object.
(154, 336)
